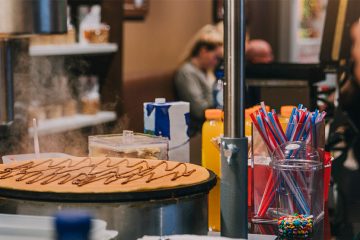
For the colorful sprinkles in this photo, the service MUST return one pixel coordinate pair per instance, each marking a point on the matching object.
(295, 226)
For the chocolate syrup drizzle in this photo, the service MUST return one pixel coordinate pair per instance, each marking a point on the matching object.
(49, 171)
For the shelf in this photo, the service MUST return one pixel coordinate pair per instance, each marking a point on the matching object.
(72, 49)
(64, 124)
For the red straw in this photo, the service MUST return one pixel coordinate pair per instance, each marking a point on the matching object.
(267, 197)
(279, 125)
(273, 132)
(299, 125)
(272, 137)
(253, 118)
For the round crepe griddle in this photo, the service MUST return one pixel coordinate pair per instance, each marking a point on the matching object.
(181, 191)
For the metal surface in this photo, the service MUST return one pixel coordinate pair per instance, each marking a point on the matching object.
(250, 236)
(16, 17)
(6, 82)
(266, 229)
(234, 222)
(234, 207)
(32, 17)
(185, 215)
(234, 35)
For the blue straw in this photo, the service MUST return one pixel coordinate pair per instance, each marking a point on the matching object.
(289, 126)
(313, 130)
(261, 124)
(278, 133)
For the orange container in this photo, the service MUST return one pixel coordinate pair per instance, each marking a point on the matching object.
(248, 122)
(285, 113)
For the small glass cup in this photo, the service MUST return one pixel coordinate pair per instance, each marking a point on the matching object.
(298, 175)
(262, 184)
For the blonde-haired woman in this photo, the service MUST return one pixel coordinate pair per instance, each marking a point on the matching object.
(194, 79)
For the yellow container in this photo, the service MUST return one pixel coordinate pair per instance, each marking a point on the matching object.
(212, 129)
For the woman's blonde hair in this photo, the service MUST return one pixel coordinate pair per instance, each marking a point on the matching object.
(208, 35)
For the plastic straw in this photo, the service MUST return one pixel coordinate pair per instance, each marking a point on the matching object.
(299, 196)
(288, 130)
(298, 129)
(36, 140)
(268, 196)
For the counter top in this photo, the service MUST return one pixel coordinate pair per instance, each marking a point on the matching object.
(213, 236)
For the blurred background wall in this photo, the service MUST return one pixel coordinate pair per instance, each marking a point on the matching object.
(155, 44)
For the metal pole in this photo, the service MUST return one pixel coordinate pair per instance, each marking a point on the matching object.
(234, 158)
(234, 34)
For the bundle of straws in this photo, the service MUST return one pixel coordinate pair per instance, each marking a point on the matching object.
(301, 127)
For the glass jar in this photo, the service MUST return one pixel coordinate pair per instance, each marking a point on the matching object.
(298, 176)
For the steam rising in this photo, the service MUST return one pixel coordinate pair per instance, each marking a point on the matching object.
(40, 81)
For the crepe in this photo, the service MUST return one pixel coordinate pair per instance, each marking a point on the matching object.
(98, 175)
